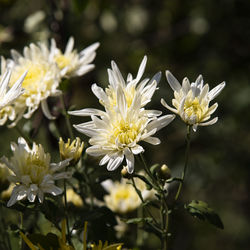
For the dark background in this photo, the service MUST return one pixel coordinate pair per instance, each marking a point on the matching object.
(188, 38)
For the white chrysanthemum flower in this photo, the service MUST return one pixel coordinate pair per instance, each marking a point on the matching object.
(72, 63)
(115, 134)
(7, 94)
(41, 81)
(191, 101)
(34, 175)
(122, 197)
(130, 87)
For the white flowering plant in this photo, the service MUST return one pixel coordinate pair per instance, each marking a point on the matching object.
(128, 195)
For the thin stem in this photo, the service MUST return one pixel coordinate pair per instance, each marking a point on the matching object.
(66, 211)
(186, 163)
(68, 124)
(142, 200)
(164, 215)
(154, 182)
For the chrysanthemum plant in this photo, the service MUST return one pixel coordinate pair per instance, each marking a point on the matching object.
(137, 198)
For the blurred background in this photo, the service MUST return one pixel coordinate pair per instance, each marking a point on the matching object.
(188, 38)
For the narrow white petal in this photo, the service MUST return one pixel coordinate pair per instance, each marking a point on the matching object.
(152, 140)
(104, 160)
(160, 122)
(211, 122)
(99, 93)
(173, 82)
(115, 163)
(216, 91)
(95, 150)
(70, 45)
(87, 112)
(117, 75)
(130, 159)
(168, 107)
(45, 109)
(141, 69)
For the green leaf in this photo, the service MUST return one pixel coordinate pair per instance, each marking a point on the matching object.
(138, 220)
(202, 211)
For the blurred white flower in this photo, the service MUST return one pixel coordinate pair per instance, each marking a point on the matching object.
(130, 87)
(41, 81)
(191, 101)
(115, 134)
(122, 197)
(72, 63)
(33, 175)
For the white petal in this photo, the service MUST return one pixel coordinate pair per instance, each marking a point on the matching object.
(87, 112)
(141, 69)
(130, 159)
(168, 107)
(137, 149)
(173, 82)
(152, 140)
(69, 46)
(216, 91)
(211, 122)
(45, 109)
(160, 122)
(115, 163)
(95, 150)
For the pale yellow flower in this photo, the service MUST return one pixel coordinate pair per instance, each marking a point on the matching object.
(122, 197)
(71, 150)
(191, 101)
(115, 134)
(41, 81)
(71, 63)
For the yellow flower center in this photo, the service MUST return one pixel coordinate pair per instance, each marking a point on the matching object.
(36, 167)
(62, 60)
(122, 194)
(194, 108)
(34, 78)
(129, 95)
(125, 132)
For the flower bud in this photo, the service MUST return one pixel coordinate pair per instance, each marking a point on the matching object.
(164, 172)
(71, 150)
(124, 173)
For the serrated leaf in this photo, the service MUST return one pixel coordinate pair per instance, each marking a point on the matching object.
(202, 211)
(138, 220)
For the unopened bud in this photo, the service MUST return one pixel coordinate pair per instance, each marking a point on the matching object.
(164, 172)
(124, 173)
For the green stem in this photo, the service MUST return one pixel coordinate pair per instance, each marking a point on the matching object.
(164, 216)
(186, 162)
(68, 124)
(66, 211)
